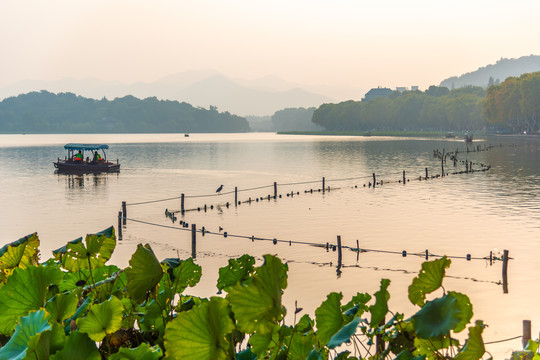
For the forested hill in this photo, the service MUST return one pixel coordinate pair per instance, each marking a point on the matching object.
(45, 112)
(495, 73)
(436, 109)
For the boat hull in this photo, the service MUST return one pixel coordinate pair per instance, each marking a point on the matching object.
(72, 167)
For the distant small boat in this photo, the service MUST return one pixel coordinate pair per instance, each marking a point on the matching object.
(76, 162)
(468, 138)
(450, 135)
(186, 135)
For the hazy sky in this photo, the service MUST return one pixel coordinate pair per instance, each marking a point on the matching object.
(339, 42)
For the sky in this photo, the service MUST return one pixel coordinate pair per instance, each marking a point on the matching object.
(336, 43)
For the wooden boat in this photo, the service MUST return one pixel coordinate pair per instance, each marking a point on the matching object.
(468, 138)
(77, 163)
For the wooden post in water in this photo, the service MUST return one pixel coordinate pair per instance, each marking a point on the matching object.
(403, 177)
(339, 251)
(119, 225)
(124, 212)
(442, 167)
(182, 209)
(374, 180)
(323, 184)
(235, 196)
(193, 241)
(526, 332)
(358, 252)
(505, 272)
(275, 190)
(426, 174)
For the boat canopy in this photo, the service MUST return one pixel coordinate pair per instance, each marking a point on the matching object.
(86, 146)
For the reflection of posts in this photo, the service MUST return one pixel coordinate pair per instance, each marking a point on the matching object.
(505, 272)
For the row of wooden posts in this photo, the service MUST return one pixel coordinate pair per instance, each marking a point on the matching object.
(324, 189)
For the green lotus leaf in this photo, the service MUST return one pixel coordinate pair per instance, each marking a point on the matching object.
(429, 347)
(26, 336)
(406, 355)
(264, 343)
(314, 355)
(81, 310)
(474, 347)
(21, 253)
(357, 306)
(142, 352)
(304, 325)
(380, 309)
(77, 346)
(257, 304)
(237, 270)
(437, 317)
(62, 306)
(246, 355)
(50, 341)
(82, 278)
(29, 288)
(187, 273)
(344, 334)
(464, 304)
(300, 345)
(428, 280)
(328, 317)
(201, 333)
(144, 272)
(102, 319)
(95, 253)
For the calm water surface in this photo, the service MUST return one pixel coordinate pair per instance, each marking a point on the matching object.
(458, 215)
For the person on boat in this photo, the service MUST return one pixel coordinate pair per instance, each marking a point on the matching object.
(78, 156)
(97, 157)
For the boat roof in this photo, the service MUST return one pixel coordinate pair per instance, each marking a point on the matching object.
(86, 146)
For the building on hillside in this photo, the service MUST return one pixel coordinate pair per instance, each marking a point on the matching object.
(414, 88)
(401, 89)
(376, 93)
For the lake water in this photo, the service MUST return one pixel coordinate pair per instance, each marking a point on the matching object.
(456, 215)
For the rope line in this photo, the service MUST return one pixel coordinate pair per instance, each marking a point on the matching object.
(499, 341)
(290, 242)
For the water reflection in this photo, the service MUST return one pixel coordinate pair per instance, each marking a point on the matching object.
(80, 181)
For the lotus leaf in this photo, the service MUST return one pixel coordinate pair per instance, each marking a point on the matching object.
(29, 286)
(344, 334)
(237, 270)
(26, 336)
(428, 280)
(21, 253)
(474, 347)
(257, 304)
(246, 355)
(102, 319)
(464, 304)
(201, 333)
(142, 352)
(328, 317)
(97, 251)
(62, 306)
(144, 272)
(78, 346)
(187, 273)
(437, 317)
(380, 309)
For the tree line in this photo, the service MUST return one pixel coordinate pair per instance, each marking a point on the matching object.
(515, 104)
(436, 109)
(68, 113)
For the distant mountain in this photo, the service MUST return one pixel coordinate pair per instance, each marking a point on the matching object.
(202, 88)
(497, 72)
